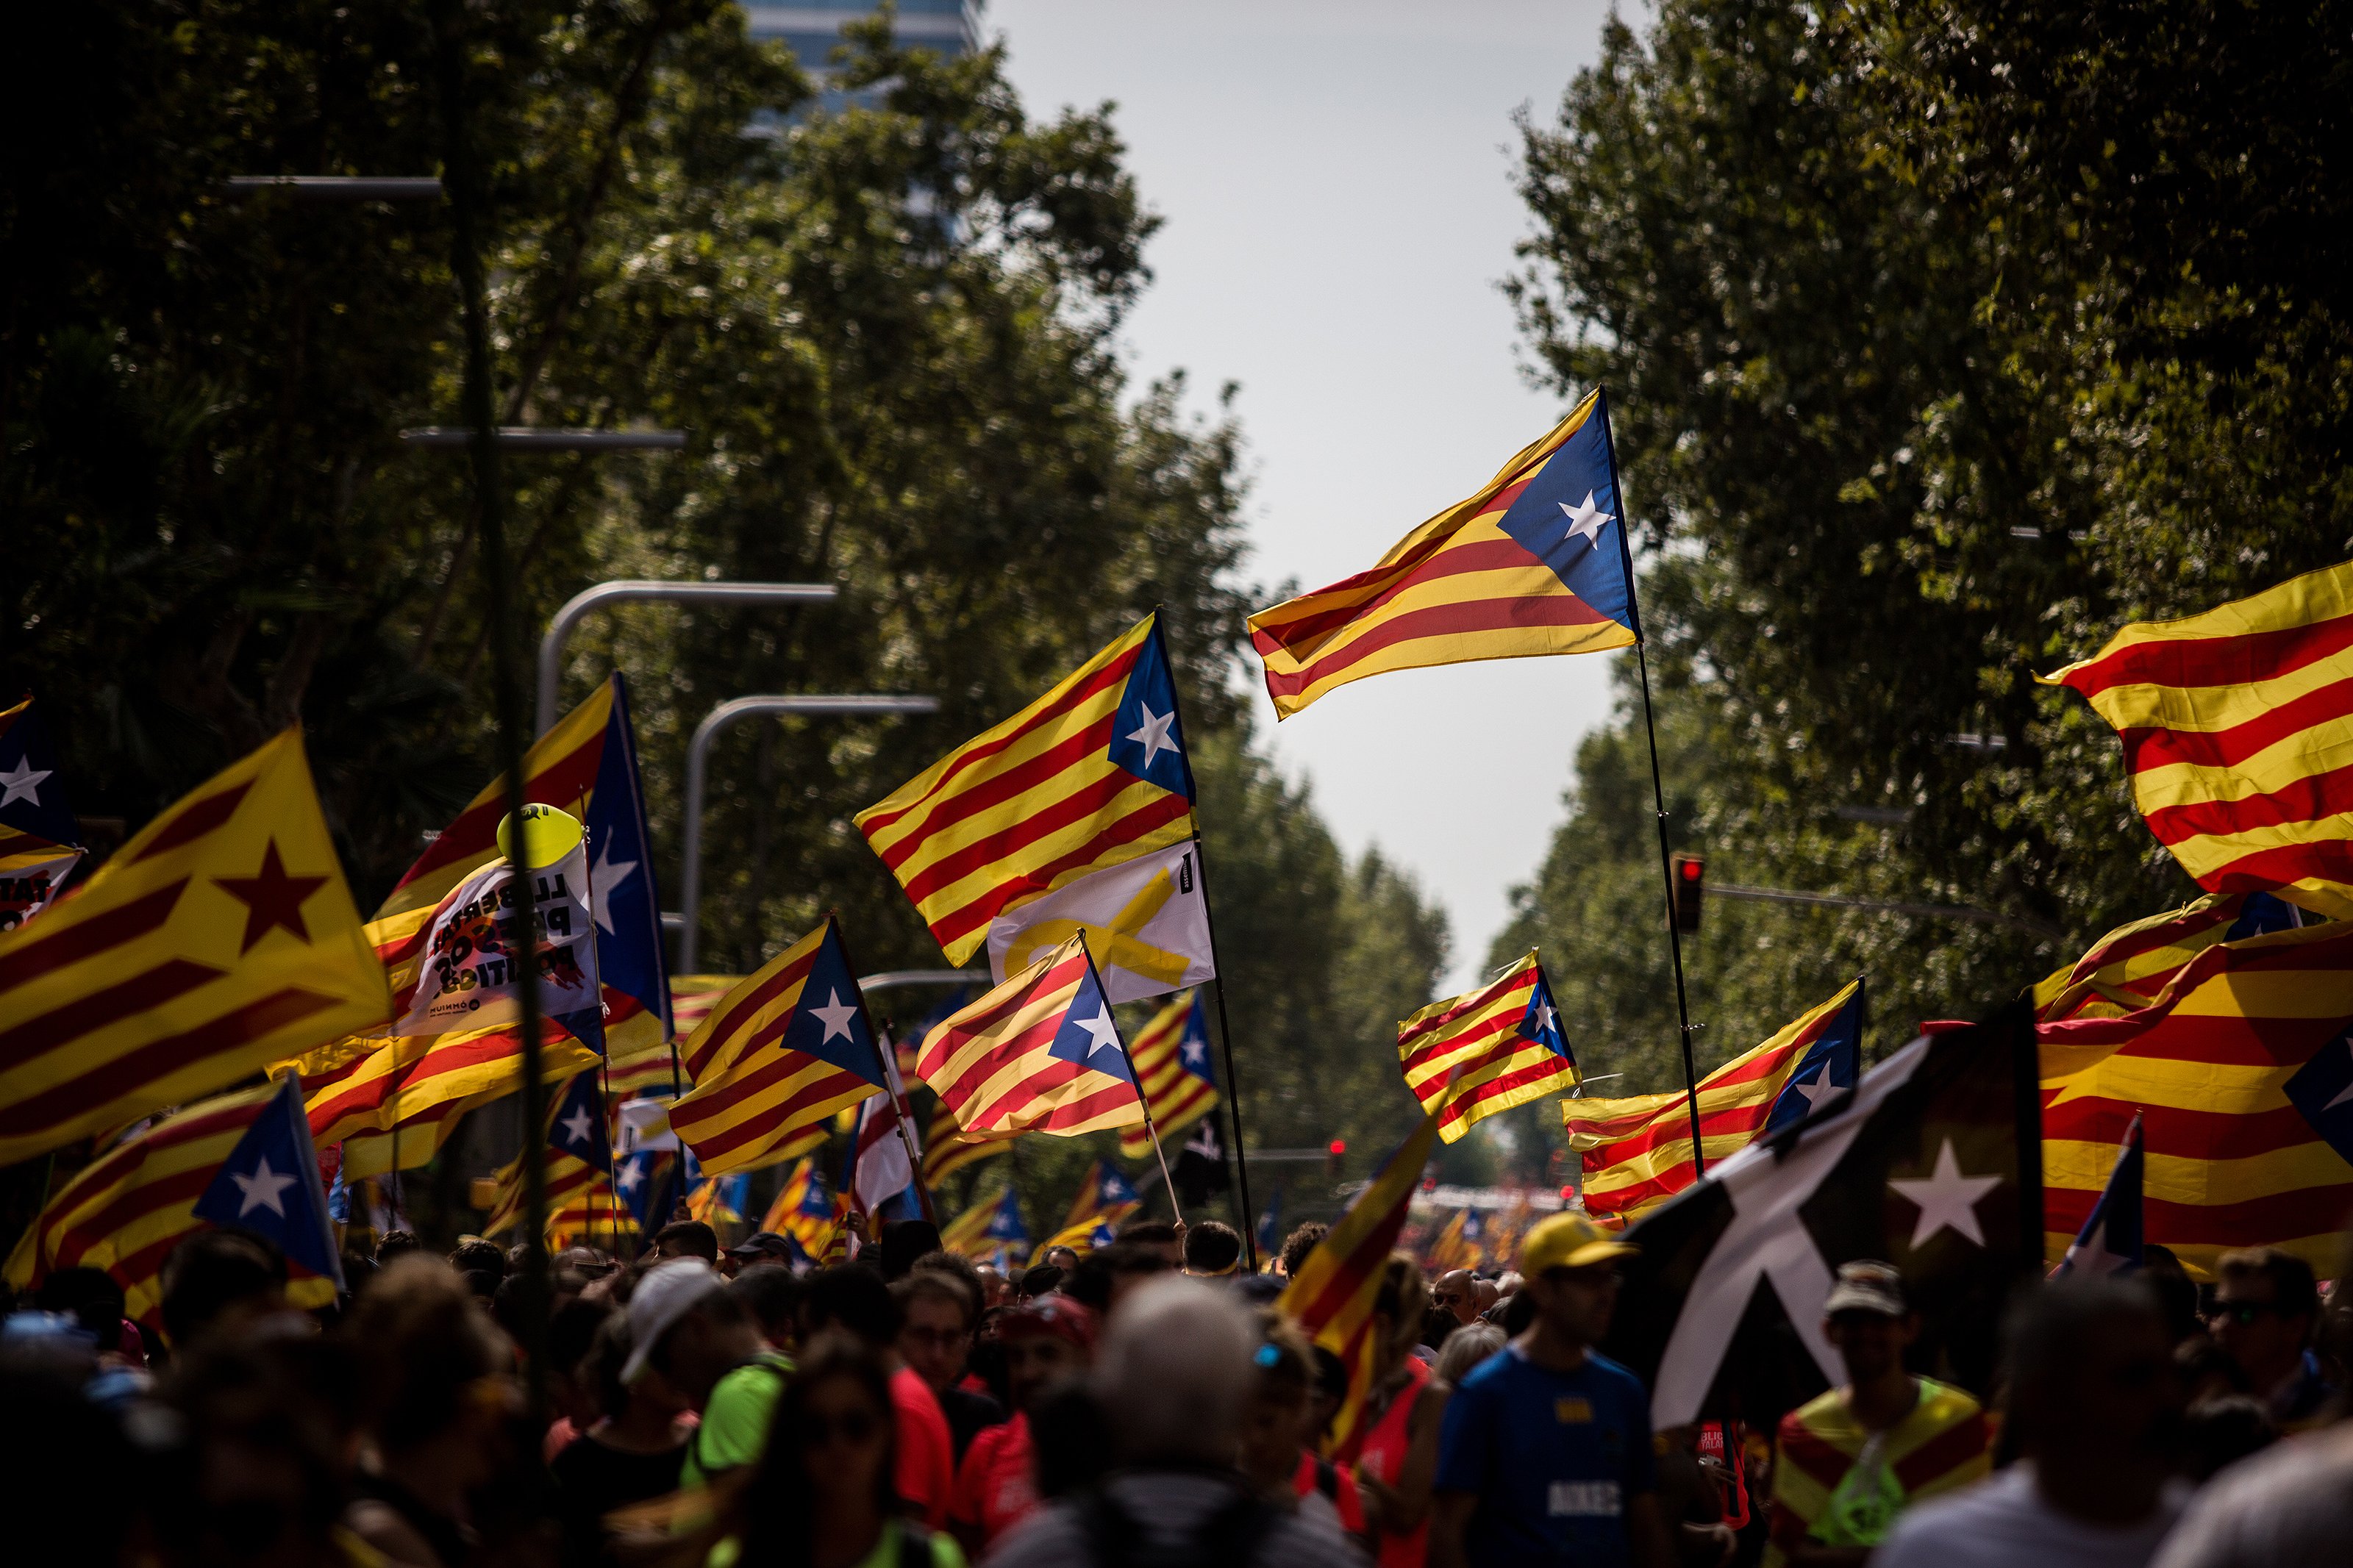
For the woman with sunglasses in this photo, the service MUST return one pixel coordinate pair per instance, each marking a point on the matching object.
(821, 1495)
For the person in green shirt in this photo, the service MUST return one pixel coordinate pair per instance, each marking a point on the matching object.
(687, 1326)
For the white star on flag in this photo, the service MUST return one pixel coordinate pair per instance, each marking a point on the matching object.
(1195, 1050)
(264, 1189)
(25, 783)
(1815, 1087)
(1585, 521)
(1105, 1034)
(1946, 1199)
(836, 1016)
(577, 1125)
(1548, 1021)
(1154, 736)
(608, 876)
(632, 1175)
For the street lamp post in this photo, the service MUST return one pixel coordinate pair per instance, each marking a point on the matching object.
(698, 757)
(551, 647)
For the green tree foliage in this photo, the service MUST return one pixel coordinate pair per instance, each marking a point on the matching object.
(889, 331)
(1943, 342)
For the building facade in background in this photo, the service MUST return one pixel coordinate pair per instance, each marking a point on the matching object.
(950, 27)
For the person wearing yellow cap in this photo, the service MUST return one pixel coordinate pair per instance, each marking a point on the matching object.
(1545, 1456)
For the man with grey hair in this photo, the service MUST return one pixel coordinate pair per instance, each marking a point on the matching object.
(1173, 1374)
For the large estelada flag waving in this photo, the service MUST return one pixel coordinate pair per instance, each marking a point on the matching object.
(1469, 1057)
(219, 938)
(2238, 733)
(1537, 563)
(1931, 1162)
(2126, 970)
(1075, 815)
(1041, 1053)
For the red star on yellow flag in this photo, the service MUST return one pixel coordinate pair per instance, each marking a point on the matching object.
(271, 898)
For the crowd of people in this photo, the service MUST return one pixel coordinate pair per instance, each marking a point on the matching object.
(1140, 1404)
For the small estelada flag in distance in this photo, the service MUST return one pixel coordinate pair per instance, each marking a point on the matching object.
(1930, 1164)
(1173, 1064)
(41, 840)
(1092, 778)
(1104, 1197)
(2110, 1241)
(778, 1056)
(948, 1148)
(1469, 1057)
(1534, 564)
(270, 1186)
(1039, 1053)
(220, 939)
(579, 1163)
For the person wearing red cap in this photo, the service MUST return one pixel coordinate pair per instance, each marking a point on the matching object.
(1044, 1341)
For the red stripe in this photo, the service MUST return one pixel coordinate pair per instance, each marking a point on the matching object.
(1039, 880)
(1949, 1450)
(2264, 870)
(1359, 1265)
(2256, 1222)
(1671, 1124)
(1026, 778)
(132, 1205)
(475, 832)
(1551, 1066)
(1087, 1106)
(959, 1031)
(159, 1059)
(70, 944)
(745, 1007)
(978, 751)
(1469, 1038)
(1549, 609)
(2304, 800)
(45, 1032)
(2242, 658)
(781, 1120)
(1452, 557)
(1523, 981)
(1817, 1458)
(199, 818)
(2154, 746)
(739, 1089)
(2177, 1133)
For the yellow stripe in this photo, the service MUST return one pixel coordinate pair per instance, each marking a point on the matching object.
(2322, 748)
(987, 878)
(2083, 1166)
(729, 1028)
(1466, 647)
(923, 827)
(2207, 709)
(2303, 601)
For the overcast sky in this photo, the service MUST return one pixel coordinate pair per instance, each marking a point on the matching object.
(1335, 181)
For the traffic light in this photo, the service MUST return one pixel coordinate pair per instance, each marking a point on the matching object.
(1691, 882)
(1333, 1155)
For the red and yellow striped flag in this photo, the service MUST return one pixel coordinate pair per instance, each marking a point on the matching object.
(804, 1210)
(2238, 735)
(1092, 775)
(1332, 1295)
(219, 938)
(1039, 1053)
(1173, 1063)
(1534, 564)
(780, 1054)
(948, 1148)
(1500, 1046)
(126, 1210)
(2126, 969)
(1637, 1150)
(691, 998)
(2242, 1070)
(392, 1103)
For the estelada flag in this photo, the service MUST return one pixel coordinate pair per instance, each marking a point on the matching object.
(948, 1148)
(1104, 1197)
(2124, 970)
(2241, 1072)
(1332, 1295)
(578, 1162)
(988, 1231)
(803, 1210)
(1469, 1057)
(1172, 1062)
(2238, 736)
(219, 938)
(1637, 1150)
(1040, 1054)
(40, 841)
(777, 1057)
(126, 1210)
(1537, 563)
(393, 1102)
(1089, 778)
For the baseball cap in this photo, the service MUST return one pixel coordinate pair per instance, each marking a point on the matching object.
(668, 1292)
(1569, 1241)
(764, 1244)
(1867, 1285)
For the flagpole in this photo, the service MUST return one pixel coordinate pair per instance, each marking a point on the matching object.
(1217, 988)
(1658, 799)
(1145, 1101)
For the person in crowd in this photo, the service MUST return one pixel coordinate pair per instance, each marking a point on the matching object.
(573, 1397)
(1103, 1280)
(1465, 1351)
(1162, 1235)
(2264, 1311)
(996, 1289)
(2094, 1410)
(1545, 1451)
(687, 1238)
(438, 1399)
(2217, 1432)
(1063, 1257)
(395, 1244)
(220, 1281)
(937, 1315)
(1176, 1367)
(1331, 1392)
(902, 1243)
(687, 1326)
(1483, 1295)
(63, 1458)
(249, 1471)
(771, 1294)
(1507, 1285)
(823, 1496)
(632, 1450)
(760, 1247)
(1849, 1462)
(1455, 1296)
(1045, 1342)
(854, 1298)
(2177, 1293)
(475, 1256)
(1044, 1279)
(1397, 1461)
(1212, 1251)
(1277, 1459)
(92, 1299)
(2207, 1370)
(1299, 1244)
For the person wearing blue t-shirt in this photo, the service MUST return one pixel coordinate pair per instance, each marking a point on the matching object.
(1544, 1453)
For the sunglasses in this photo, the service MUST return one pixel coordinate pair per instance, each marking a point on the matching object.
(851, 1427)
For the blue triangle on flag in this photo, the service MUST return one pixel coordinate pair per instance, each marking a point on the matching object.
(32, 790)
(1193, 1052)
(1088, 1036)
(1541, 1022)
(577, 1126)
(1834, 1061)
(829, 1022)
(630, 956)
(1145, 737)
(270, 1186)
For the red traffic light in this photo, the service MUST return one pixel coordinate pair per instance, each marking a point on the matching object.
(1690, 883)
(1694, 868)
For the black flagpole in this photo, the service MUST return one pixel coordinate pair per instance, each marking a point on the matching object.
(1233, 1085)
(1658, 794)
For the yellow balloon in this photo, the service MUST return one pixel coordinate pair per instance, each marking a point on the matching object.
(548, 835)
